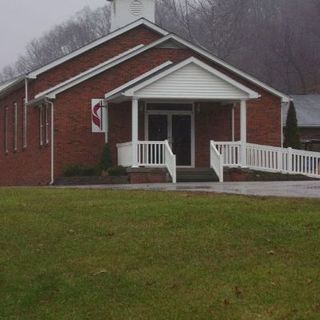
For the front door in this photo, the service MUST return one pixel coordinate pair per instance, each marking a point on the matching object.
(181, 139)
(176, 128)
(158, 127)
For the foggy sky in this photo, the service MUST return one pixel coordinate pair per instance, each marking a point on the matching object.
(24, 20)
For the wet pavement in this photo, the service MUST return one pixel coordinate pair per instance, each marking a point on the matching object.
(295, 189)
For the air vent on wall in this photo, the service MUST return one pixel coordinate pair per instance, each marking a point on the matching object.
(136, 7)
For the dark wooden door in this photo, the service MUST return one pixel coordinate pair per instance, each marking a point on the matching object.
(181, 139)
(158, 127)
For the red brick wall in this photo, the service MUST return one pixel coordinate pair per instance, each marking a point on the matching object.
(309, 133)
(30, 166)
(212, 122)
(263, 121)
(75, 144)
(93, 57)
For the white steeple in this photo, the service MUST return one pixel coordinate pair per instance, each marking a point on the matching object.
(124, 12)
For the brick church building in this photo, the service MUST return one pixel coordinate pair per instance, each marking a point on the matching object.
(158, 100)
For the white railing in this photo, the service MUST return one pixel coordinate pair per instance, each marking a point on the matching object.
(149, 154)
(305, 162)
(170, 161)
(270, 159)
(266, 158)
(125, 154)
(231, 152)
(216, 161)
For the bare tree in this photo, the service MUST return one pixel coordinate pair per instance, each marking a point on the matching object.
(277, 41)
(86, 26)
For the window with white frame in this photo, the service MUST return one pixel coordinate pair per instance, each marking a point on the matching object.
(24, 124)
(47, 124)
(44, 124)
(15, 126)
(41, 126)
(5, 126)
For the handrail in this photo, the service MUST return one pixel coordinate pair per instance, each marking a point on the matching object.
(170, 161)
(231, 152)
(270, 159)
(149, 154)
(216, 161)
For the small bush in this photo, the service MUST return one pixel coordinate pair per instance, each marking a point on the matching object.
(105, 162)
(117, 171)
(72, 171)
(291, 130)
(90, 172)
(79, 171)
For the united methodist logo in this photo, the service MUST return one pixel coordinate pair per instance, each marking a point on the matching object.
(97, 115)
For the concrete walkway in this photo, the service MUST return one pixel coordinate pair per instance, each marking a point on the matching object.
(295, 189)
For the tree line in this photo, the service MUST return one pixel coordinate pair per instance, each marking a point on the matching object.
(277, 41)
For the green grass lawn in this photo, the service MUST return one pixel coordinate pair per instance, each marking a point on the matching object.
(95, 254)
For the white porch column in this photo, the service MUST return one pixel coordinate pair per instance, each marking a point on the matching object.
(243, 132)
(134, 136)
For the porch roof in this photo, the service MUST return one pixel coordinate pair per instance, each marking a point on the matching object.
(189, 79)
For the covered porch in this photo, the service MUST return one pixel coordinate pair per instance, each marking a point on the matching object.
(177, 111)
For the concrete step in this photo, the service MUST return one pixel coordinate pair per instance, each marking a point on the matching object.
(196, 175)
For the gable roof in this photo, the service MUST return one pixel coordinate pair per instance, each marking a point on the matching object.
(11, 85)
(167, 38)
(190, 78)
(307, 108)
(109, 36)
(53, 91)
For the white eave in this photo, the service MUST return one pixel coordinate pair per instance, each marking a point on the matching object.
(135, 51)
(11, 85)
(53, 91)
(191, 78)
(208, 55)
(140, 22)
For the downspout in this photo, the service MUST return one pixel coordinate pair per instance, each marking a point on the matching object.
(52, 141)
(26, 100)
(26, 93)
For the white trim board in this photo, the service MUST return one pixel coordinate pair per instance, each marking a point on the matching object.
(205, 53)
(169, 114)
(134, 91)
(52, 92)
(170, 37)
(85, 75)
(145, 75)
(140, 22)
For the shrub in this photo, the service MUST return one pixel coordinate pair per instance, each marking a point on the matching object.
(89, 171)
(79, 171)
(105, 162)
(117, 171)
(71, 171)
(291, 131)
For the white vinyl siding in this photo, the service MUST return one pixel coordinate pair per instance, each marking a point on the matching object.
(192, 81)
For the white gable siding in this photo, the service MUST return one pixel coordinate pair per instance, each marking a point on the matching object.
(192, 81)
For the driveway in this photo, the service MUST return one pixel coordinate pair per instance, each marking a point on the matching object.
(295, 189)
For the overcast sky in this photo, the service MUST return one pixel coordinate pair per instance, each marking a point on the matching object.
(24, 20)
